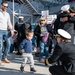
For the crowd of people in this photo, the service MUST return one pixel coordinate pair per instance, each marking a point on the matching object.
(20, 40)
(64, 49)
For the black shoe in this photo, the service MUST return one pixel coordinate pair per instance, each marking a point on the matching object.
(32, 69)
(22, 68)
(18, 53)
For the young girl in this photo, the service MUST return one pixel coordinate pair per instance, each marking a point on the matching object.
(42, 32)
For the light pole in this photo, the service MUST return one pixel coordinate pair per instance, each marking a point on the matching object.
(13, 14)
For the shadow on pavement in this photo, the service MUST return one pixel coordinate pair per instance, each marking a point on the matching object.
(13, 67)
(18, 59)
(9, 71)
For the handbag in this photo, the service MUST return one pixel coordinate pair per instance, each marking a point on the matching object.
(45, 37)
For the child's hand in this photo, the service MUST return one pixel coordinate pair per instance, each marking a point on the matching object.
(22, 51)
(41, 35)
(35, 50)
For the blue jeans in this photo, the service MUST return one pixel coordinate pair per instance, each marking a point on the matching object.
(11, 48)
(4, 36)
(44, 48)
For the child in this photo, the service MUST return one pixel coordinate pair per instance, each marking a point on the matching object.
(26, 50)
(13, 40)
(42, 33)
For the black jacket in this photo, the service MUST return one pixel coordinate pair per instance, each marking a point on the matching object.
(65, 52)
(37, 32)
(21, 28)
(70, 24)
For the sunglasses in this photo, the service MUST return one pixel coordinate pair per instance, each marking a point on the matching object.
(5, 6)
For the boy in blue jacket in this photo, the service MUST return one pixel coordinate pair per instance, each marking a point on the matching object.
(26, 50)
